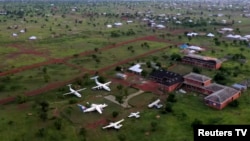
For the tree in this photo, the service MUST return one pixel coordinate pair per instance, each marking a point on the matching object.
(46, 77)
(197, 70)
(58, 123)
(118, 68)
(196, 122)
(119, 87)
(115, 114)
(168, 107)
(82, 131)
(144, 73)
(153, 125)
(220, 77)
(122, 137)
(175, 57)
(171, 98)
(155, 58)
(101, 79)
(41, 132)
(234, 103)
(43, 116)
(96, 49)
(126, 92)
(21, 99)
(119, 98)
(44, 106)
(44, 70)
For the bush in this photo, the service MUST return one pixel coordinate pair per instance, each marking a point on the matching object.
(196, 122)
(115, 114)
(171, 98)
(234, 104)
(72, 101)
(21, 99)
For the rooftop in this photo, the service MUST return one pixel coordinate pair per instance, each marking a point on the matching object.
(197, 77)
(166, 77)
(222, 95)
(215, 87)
(205, 58)
(136, 68)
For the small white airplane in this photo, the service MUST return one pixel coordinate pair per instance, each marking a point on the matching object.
(115, 125)
(155, 104)
(101, 85)
(75, 92)
(136, 115)
(93, 107)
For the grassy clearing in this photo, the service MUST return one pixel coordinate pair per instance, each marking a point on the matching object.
(22, 60)
(105, 58)
(33, 79)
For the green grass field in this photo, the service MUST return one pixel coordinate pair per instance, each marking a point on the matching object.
(106, 58)
(62, 33)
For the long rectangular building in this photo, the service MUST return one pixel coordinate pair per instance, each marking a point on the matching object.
(202, 61)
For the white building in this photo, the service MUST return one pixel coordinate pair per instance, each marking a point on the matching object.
(136, 68)
(118, 24)
(129, 21)
(227, 29)
(14, 34)
(109, 26)
(210, 35)
(196, 48)
(32, 37)
(160, 26)
(121, 76)
(192, 34)
(22, 31)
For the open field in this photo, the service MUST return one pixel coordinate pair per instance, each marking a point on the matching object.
(102, 59)
(33, 79)
(74, 43)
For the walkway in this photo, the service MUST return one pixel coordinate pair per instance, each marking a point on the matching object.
(125, 103)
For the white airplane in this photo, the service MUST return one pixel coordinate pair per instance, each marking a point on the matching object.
(101, 85)
(136, 114)
(156, 104)
(75, 92)
(115, 125)
(93, 107)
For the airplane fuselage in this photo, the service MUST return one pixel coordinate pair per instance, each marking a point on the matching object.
(101, 85)
(75, 92)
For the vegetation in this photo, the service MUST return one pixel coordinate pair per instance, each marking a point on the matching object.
(74, 43)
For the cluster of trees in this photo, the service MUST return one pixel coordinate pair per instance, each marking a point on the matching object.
(118, 33)
(46, 75)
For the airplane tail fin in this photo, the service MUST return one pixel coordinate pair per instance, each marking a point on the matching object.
(94, 77)
(81, 107)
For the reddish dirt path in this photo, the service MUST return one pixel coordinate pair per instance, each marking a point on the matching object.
(55, 85)
(62, 60)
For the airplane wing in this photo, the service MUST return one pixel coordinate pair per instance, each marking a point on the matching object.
(98, 109)
(96, 87)
(107, 83)
(81, 89)
(130, 115)
(108, 126)
(68, 93)
(119, 121)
